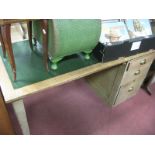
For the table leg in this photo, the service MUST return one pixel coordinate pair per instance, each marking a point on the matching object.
(6, 34)
(20, 112)
(5, 123)
(2, 44)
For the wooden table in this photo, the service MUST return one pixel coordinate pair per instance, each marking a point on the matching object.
(5, 39)
(15, 96)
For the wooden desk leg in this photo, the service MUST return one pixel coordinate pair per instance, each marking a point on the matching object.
(5, 123)
(20, 112)
(6, 34)
(29, 27)
(44, 28)
(2, 44)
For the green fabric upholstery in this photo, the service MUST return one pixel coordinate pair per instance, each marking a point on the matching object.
(69, 36)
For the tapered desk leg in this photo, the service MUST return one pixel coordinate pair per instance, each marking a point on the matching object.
(5, 123)
(6, 34)
(20, 112)
(2, 44)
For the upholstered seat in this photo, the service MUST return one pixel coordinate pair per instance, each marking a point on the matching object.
(69, 36)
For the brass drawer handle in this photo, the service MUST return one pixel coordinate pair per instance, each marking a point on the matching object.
(130, 89)
(143, 62)
(137, 72)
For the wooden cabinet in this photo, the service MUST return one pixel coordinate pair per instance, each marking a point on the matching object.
(121, 82)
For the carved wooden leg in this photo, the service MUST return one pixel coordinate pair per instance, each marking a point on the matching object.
(2, 44)
(8, 46)
(21, 116)
(5, 123)
(29, 27)
(44, 29)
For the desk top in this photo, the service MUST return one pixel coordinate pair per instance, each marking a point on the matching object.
(11, 94)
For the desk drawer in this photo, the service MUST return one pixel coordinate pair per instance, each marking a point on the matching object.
(135, 73)
(136, 68)
(140, 62)
(127, 91)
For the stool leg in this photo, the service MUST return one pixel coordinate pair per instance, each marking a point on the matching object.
(29, 27)
(20, 112)
(6, 34)
(23, 30)
(44, 29)
(2, 44)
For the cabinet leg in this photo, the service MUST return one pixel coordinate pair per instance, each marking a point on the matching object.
(20, 112)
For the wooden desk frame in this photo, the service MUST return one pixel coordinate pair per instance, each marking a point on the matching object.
(15, 96)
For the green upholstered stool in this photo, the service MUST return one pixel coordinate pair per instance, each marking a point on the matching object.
(69, 36)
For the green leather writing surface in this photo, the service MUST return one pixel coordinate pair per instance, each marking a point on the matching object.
(31, 69)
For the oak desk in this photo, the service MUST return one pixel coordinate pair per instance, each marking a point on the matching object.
(15, 96)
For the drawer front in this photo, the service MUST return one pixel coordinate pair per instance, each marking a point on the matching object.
(136, 68)
(141, 62)
(128, 90)
(135, 73)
